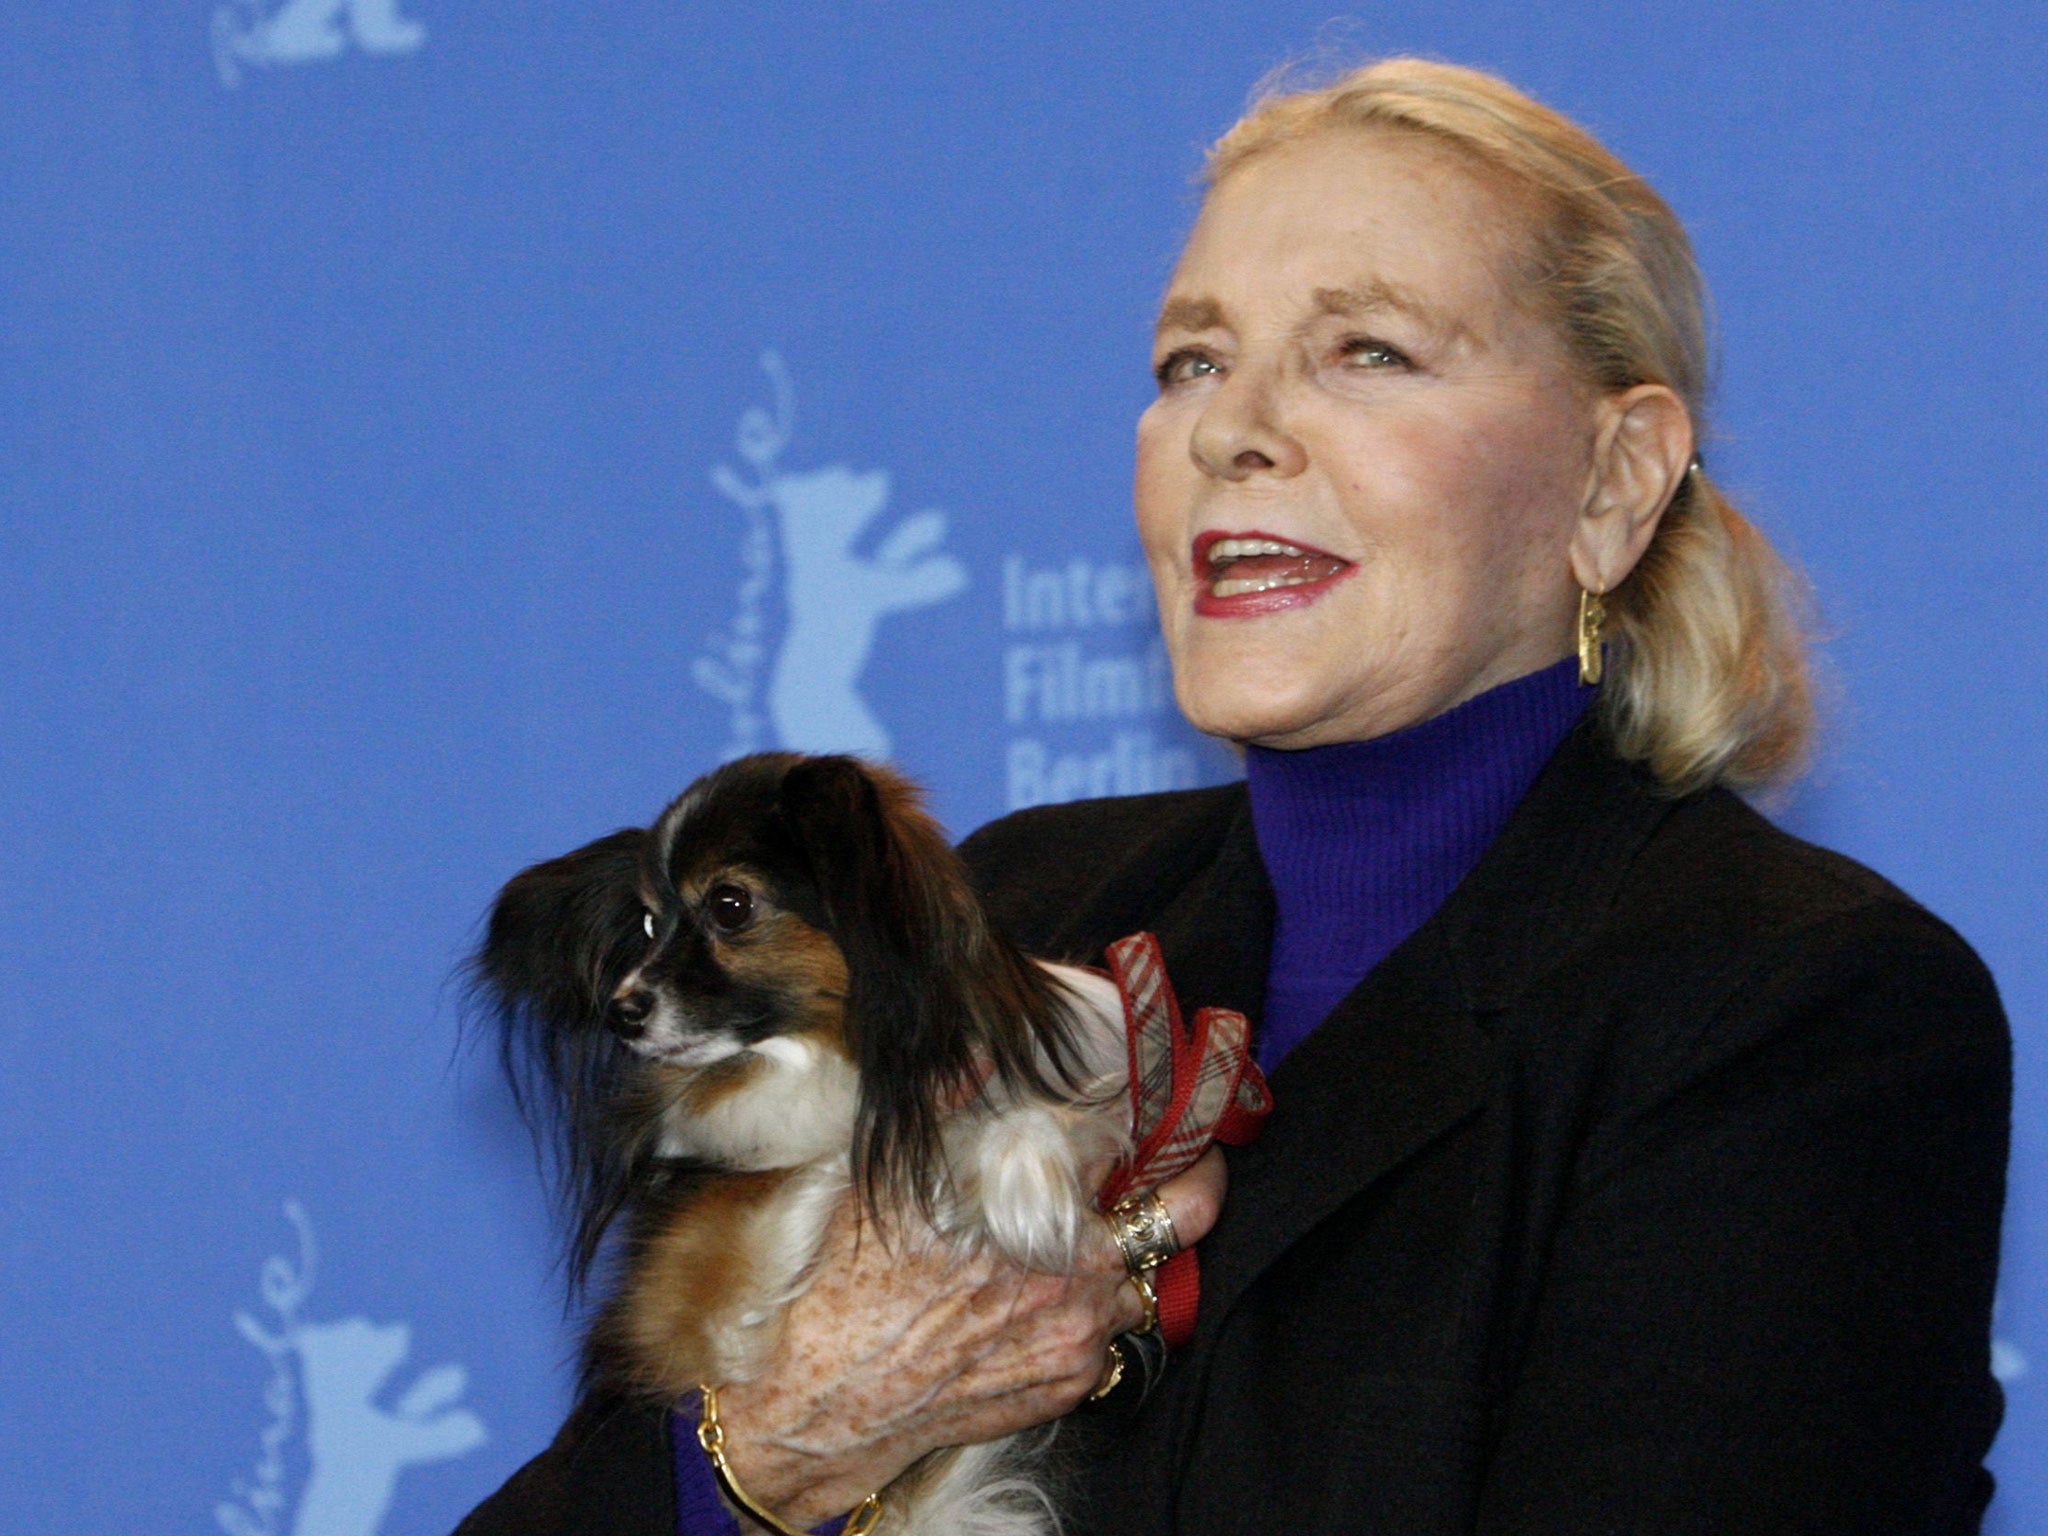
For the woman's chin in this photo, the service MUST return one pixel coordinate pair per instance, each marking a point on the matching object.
(1251, 715)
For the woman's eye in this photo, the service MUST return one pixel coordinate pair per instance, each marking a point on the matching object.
(1364, 352)
(730, 907)
(1179, 367)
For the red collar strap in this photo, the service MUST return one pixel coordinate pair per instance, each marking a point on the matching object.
(1190, 1086)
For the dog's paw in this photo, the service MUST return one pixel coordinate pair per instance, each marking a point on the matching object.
(1028, 1186)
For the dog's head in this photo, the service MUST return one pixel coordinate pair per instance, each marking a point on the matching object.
(790, 962)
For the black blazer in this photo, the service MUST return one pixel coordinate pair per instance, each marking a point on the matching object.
(1652, 1186)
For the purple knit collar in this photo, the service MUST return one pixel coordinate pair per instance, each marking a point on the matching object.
(1363, 840)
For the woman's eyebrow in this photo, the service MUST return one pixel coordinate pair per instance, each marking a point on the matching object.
(1360, 300)
(1189, 315)
(1379, 296)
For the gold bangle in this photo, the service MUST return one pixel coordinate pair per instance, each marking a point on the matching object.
(1148, 1295)
(711, 1435)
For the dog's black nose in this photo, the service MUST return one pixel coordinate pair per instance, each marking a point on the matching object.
(628, 1016)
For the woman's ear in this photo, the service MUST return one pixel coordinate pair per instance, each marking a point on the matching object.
(1644, 445)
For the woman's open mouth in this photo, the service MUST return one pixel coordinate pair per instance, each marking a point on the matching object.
(1239, 574)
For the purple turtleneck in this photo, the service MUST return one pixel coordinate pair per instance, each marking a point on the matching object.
(699, 1509)
(1363, 840)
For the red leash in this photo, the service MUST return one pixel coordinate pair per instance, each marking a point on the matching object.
(1189, 1087)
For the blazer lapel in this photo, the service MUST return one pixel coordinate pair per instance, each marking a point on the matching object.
(1399, 1062)
(1408, 1055)
(1200, 888)
(1217, 932)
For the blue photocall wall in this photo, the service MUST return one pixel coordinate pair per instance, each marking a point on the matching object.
(433, 432)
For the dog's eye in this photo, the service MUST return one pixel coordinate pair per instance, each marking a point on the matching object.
(731, 906)
(647, 923)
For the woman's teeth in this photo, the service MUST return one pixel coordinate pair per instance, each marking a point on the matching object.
(1237, 549)
(1232, 586)
(1263, 565)
(1229, 588)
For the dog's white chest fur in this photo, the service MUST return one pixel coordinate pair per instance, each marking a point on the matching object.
(797, 1107)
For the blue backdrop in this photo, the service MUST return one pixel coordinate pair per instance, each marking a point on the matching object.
(433, 433)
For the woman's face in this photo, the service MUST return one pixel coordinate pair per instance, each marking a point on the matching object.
(1359, 482)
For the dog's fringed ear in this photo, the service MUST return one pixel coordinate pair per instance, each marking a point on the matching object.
(870, 860)
(562, 937)
(935, 1000)
(563, 934)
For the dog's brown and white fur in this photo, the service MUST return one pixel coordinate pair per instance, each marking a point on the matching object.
(784, 989)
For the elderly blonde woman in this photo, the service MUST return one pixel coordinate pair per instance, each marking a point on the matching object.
(1635, 1166)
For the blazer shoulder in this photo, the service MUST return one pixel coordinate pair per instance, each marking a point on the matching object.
(1741, 885)
(1729, 931)
(1036, 866)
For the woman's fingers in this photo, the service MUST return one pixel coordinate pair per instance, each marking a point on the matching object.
(1194, 1199)
(1129, 1313)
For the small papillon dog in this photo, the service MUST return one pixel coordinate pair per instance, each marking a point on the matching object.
(784, 990)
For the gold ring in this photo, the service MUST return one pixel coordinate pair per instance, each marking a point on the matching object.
(1141, 1282)
(1143, 1228)
(1112, 1372)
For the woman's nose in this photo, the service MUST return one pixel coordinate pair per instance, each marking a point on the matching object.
(1239, 433)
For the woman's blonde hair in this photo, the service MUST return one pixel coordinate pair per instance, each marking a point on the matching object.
(1707, 674)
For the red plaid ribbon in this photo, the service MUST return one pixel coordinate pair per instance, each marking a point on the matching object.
(1189, 1087)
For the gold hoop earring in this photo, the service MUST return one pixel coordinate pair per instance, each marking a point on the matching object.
(1592, 618)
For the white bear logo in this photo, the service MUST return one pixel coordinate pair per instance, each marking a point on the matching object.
(306, 32)
(333, 1374)
(835, 596)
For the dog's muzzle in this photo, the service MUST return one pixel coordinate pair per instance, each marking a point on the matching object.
(627, 1016)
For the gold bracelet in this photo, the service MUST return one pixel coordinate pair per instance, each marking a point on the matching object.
(711, 1435)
